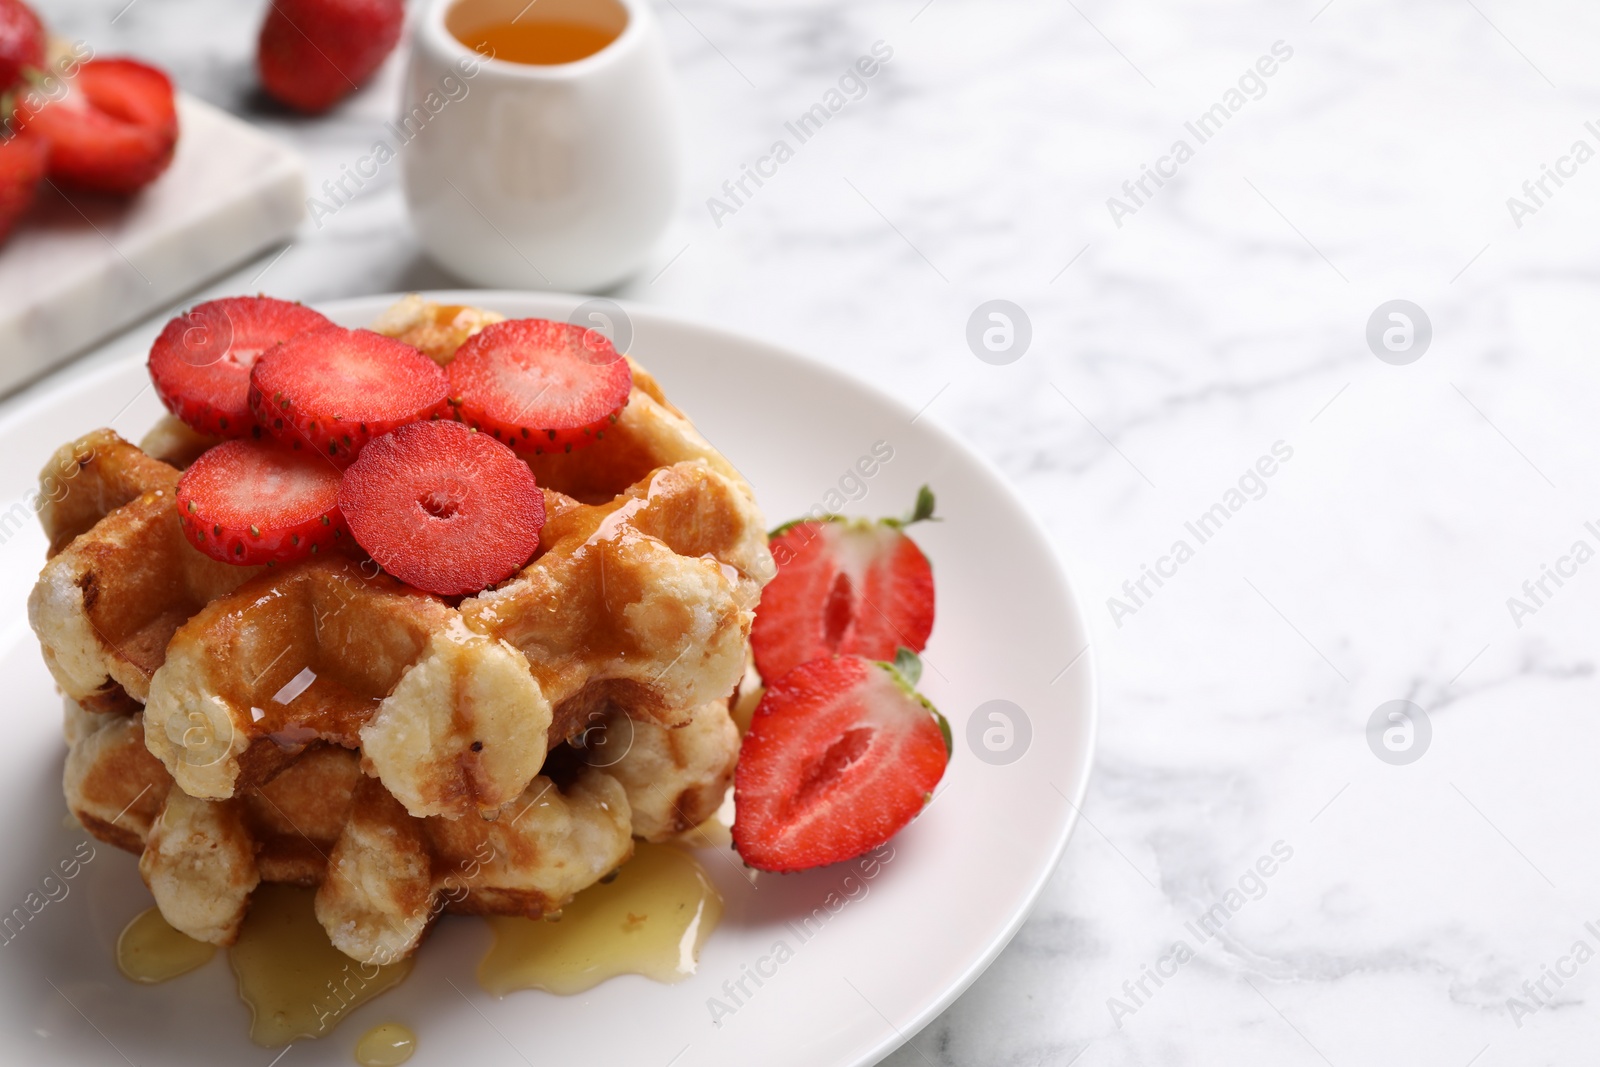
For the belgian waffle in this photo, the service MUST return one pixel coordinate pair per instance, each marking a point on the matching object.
(384, 875)
(322, 723)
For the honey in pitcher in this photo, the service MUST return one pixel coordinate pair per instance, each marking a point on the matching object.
(538, 41)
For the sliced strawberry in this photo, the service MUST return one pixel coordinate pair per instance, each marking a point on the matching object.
(23, 158)
(115, 129)
(201, 362)
(841, 754)
(844, 586)
(251, 502)
(539, 386)
(21, 42)
(443, 508)
(312, 53)
(333, 390)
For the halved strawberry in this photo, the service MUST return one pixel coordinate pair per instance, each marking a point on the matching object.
(201, 362)
(23, 158)
(844, 586)
(539, 386)
(250, 502)
(841, 754)
(333, 390)
(443, 508)
(115, 129)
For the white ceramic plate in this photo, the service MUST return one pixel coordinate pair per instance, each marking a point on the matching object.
(881, 955)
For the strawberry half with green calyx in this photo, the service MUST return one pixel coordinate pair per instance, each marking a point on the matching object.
(115, 129)
(201, 363)
(539, 386)
(332, 390)
(253, 502)
(841, 754)
(443, 508)
(844, 587)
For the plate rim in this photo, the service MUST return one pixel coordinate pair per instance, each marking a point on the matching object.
(24, 405)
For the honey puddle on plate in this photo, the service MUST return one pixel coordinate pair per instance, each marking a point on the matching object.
(388, 1045)
(150, 951)
(296, 983)
(651, 919)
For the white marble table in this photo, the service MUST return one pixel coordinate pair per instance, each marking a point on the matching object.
(1224, 315)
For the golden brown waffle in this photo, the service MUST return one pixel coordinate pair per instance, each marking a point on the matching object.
(121, 578)
(175, 442)
(91, 477)
(383, 875)
(266, 694)
(437, 329)
(643, 603)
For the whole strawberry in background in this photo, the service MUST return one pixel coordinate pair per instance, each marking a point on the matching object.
(22, 42)
(315, 52)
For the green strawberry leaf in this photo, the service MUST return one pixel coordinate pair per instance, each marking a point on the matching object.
(921, 511)
(944, 728)
(908, 664)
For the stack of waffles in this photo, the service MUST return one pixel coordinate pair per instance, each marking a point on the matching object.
(326, 725)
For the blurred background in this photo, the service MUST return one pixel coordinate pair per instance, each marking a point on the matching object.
(1179, 331)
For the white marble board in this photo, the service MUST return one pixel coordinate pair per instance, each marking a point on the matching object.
(79, 268)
